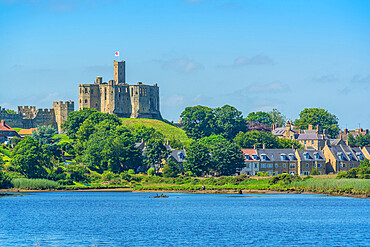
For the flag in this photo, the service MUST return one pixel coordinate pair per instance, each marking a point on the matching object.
(116, 54)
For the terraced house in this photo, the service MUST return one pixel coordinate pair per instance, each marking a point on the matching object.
(310, 159)
(251, 162)
(277, 161)
(342, 157)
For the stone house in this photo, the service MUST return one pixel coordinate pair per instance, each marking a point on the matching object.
(355, 133)
(342, 158)
(251, 162)
(309, 159)
(277, 161)
(366, 152)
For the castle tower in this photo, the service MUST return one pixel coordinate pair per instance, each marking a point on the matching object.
(61, 111)
(119, 72)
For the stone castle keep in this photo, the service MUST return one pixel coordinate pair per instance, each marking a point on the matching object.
(115, 97)
(119, 98)
(30, 117)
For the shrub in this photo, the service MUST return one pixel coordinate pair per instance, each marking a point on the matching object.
(131, 171)
(151, 171)
(171, 169)
(314, 171)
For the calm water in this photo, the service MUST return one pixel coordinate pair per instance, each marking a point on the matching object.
(136, 219)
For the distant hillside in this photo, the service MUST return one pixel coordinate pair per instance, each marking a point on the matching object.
(172, 133)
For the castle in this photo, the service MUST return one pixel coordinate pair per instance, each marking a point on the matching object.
(119, 98)
(30, 117)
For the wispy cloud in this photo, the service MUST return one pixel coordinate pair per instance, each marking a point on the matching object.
(183, 64)
(270, 87)
(243, 61)
(361, 80)
(325, 78)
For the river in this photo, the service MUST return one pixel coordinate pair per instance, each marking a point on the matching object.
(138, 219)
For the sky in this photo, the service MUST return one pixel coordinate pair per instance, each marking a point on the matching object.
(253, 55)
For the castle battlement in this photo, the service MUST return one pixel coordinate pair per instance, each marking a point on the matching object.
(117, 97)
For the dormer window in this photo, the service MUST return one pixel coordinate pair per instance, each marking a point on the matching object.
(291, 156)
(246, 156)
(264, 156)
(307, 156)
(340, 156)
(283, 157)
(255, 157)
(317, 156)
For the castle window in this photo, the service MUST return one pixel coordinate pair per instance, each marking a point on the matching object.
(91, 91)
(85, 100)
(85, 90)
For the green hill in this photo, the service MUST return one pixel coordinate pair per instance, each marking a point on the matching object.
(175, 135)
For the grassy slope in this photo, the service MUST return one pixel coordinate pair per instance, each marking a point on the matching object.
(169, 131)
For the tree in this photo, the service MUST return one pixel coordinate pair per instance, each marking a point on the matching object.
(171, 169)
(260, 117)
(258, 126)
(277, 117)
(75, 119)
(250, 138)
(197, 121)
(154, 153)
(141, 132)
(29, 158)
(314, 171)
(197, 159)
(45, 136)
(226, 158)
(210, 141)
(11, 111)
(289, 143)
(359, 141)
(228, 121)
(321, 117)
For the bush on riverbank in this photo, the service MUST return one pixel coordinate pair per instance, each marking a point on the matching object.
(34, 184)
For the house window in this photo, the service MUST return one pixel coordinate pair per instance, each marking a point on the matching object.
(317, 156)
(247, 165)
(292, 166)
(352, 165)
(307, 165)
(312, 142)
(276, 165)
(341, 165)
(344, 165)
(263, 165)
(269, 166)
(255, 165)
(305, 142)
(264, 157)
(284, 165)
(318, 165)
(307, 155)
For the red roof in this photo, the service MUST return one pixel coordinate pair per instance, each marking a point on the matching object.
(27, 131)
(249, 152)
(5, 127)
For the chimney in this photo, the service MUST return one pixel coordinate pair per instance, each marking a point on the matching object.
(346, 130)
(310, 127)
(3, 122)
(264, 146)
(254, 146)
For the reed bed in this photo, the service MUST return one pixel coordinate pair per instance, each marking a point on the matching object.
(34, 184)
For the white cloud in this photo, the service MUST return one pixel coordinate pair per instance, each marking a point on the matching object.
(255, 60)
(270, 87)
(361, 80)
(184, 65)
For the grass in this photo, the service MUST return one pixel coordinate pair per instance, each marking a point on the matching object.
(17, 129)
(167, 130)
(64, 138)
(34, 184)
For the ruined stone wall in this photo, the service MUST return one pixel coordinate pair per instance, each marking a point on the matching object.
(61, 112)
(13, 120)
(27, 112)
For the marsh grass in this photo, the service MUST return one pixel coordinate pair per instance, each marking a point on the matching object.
(34, 184)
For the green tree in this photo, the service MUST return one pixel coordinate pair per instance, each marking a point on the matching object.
(29, 158)
(277, 117)
(321, 117)
(260, 117)
(198, 121)
(228, 121)
(197, 159)
(359, 141)
(171, 169)
(289, 143)
(154, 153)
(11, 111)
(250, 138)
(75, 119)
(226, 158)
(141, 132)
(45, 136)
(314, 171)
(212, 140)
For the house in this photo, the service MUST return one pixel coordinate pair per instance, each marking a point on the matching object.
(366, 152)
(310, 159)
(251, 162)
(277, 161)
(6, 132)
(311, 138)
(26, 132)
(355, 133)
(342, 158)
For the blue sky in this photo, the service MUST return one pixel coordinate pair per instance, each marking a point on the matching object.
(254, 55)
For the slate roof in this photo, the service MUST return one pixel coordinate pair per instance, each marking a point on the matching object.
(178, 155)
(343, 151)
(274, 155)
(278, 131)
(312, 155)
(312, 136)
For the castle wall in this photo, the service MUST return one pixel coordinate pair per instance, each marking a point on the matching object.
(89, 96)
